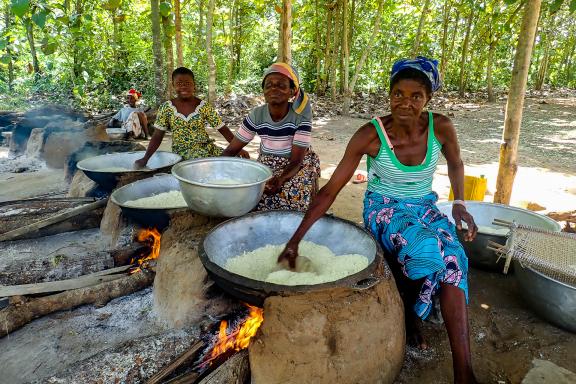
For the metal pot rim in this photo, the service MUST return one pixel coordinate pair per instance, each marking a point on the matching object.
(79, 165)
(548, 277)
(269, 288)
(221, 186)
(133, 184)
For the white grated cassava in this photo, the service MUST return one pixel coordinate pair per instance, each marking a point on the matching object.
(162, 200)
(261, 264)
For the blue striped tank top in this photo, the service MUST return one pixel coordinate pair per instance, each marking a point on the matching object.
(389, 177)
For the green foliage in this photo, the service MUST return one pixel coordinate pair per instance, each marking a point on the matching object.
(20, 7)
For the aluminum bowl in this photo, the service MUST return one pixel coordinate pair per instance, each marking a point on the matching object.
(484, 213)
(222, 200)
(247, 233)
(96, 167)
(152, 217)
(116, 133)
(551, 299)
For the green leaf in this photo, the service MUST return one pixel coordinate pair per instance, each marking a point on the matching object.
(49, 48)
(112, 4)
(165, 9)
(572, 6)
(5, 58)
(20, 7)
(555, 6)
(170, 30)
(40, 18)
(510, 2)
(3, 43)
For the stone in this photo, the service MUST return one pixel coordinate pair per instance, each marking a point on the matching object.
(544, 372)
(35, 143)
(81, 185)
(60, 145)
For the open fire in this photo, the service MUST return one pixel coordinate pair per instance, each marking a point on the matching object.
(150, 236)
(232, 340)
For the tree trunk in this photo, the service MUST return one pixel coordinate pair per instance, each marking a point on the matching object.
(489, 76)
(513, 117)
(76, 55)
(178, 26)
(462, 84)
(285, 54)
(157, 49)
(443, 45)
(7, 23)
(416, 47)
(350, 89)
(211, 63)
(169, 51)
(452, 39)
(327, 51)
(30, 35)
(201, 29)
(335, 51)
(547, 40)
(346, 49)
(317, 49)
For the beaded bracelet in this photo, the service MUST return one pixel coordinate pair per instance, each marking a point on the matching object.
(459, 202)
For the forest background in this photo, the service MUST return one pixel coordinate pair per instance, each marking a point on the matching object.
(86, 53)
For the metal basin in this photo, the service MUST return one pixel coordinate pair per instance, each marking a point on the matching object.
(116, 133)
(96, 167)
(152, 217)
(551, 299)
(247, 233)
(199, 184)
(484, 213)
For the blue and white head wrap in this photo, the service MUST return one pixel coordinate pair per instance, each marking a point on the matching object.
(428, 67)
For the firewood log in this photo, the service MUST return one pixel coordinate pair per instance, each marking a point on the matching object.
(25, 310)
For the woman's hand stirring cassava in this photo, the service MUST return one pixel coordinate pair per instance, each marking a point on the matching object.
(459, 213)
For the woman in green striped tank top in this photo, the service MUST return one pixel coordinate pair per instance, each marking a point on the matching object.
(400, 210)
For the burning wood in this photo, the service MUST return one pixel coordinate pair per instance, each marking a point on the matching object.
(236, 339)
(150, 237)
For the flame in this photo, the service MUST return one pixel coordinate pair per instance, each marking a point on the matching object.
(152, 236)
(240, 337)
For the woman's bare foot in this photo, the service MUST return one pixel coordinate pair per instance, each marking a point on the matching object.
(414, 334)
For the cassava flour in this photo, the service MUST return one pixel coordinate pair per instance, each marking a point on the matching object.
(261, 264)
(161, 200)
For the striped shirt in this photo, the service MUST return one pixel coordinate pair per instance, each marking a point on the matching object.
(389, 177)
(277, 137)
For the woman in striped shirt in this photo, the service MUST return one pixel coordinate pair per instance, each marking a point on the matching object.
(284, 128)
(399, 206)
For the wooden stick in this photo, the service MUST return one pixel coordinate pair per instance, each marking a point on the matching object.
(235, 370)
(16, 316)
(496, 245)
(183, 358)
(64, 285)
(49, 199)
(51, 220)
(495, 249)
(123, 256)
(186, 378)
(502, 223)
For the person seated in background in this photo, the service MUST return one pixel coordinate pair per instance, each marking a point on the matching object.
(284, 125)
(187, 116)
(131, 118)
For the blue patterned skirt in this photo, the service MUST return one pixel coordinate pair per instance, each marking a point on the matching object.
(423, 241)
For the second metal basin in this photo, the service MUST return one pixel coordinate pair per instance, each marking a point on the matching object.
(484, 213)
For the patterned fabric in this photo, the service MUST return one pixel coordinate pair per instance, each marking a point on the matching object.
(297, 192)
(422, 239)
(189, 137)
(300, 104)
(277, 137)
(132, 124)
(389, 177)
(427, 66)
(125, 112)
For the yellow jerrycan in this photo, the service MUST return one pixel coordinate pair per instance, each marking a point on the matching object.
(474, 188)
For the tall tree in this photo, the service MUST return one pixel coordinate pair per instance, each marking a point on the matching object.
(346, 59)
(209, 54)
(464, 54)
(178, 34)
(335, 49)
(360, 64)
(7, 24)
(416, 46)
(157, 50)
(285, 48)
(169, 30)
(515, 104)
(444, 45)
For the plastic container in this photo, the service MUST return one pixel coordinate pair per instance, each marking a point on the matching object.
(474, 188)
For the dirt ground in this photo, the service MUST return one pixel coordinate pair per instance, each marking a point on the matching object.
(506, 336)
